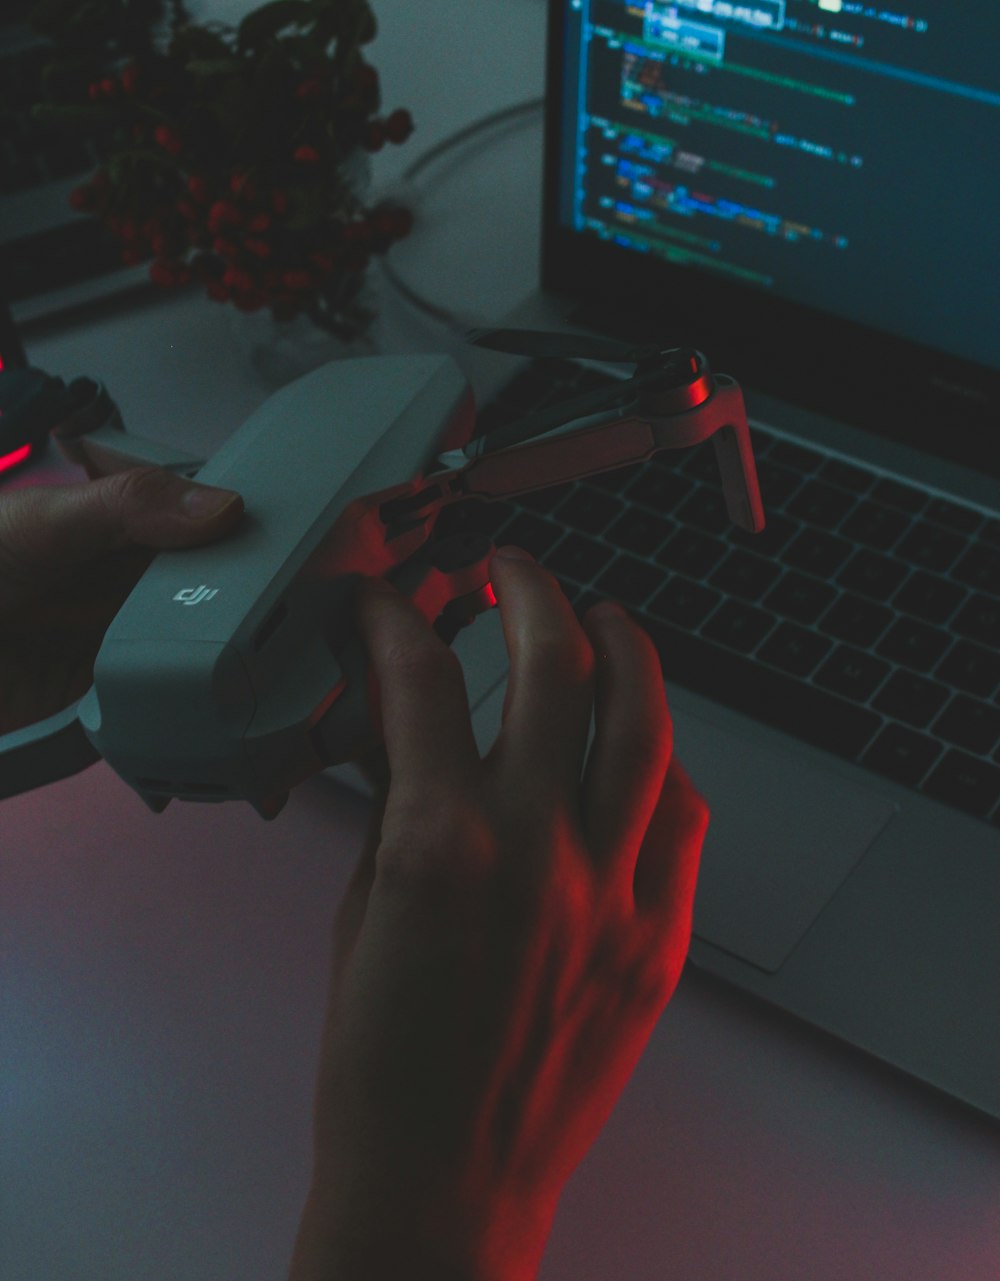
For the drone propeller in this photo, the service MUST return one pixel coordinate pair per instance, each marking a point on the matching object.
(542, 344)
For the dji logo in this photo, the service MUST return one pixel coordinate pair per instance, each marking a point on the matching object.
(195, 595)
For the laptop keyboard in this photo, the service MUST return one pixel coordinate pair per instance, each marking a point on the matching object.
(864, 619)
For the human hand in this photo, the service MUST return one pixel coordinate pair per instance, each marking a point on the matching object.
(506, 944)
(69, 556)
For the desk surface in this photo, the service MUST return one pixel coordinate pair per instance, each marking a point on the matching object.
(164, 976)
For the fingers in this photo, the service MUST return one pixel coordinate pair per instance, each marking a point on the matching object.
(547, 711)
(423, 705)
(56, 527)
(666, 872)
(633, 739)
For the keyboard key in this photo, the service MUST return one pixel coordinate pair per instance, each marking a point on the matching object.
(798, 457)
(740, 626)
(794, 649)
(856, 620)
(745, 575)
(872, 575)
(767, 695)
(630, 581)
(817, 552)
(963, 519)
(660, 489)
(819, 504)
(931, 547)
(799, 597)
(693, 553)
(533, 533)
(684, 603)
(929, 597)
(968, 723)
(578, 557)
(847, 476)
(910, 698)
(771, 539)
(705, 509)
(902, 754)
(980, 568)
(852, 673)
(990, 532)
(979, 619)
(875, 526)
(640, 532)
(905, 497)
(971, 668)
(588, 510)
(700, 464)
(914, 644)
(776, 483)
(962, 780)
(618, 479)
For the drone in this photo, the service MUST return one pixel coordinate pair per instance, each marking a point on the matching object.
(235, 670)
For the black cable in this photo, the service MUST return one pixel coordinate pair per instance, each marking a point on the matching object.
(439, 313)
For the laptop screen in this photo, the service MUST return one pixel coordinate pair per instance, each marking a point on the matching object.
(794, 163)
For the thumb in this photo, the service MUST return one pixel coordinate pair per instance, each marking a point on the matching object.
(53, 527)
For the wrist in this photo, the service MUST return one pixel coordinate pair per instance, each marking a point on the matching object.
(334, 1243)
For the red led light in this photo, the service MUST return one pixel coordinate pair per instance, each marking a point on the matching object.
(7, 461)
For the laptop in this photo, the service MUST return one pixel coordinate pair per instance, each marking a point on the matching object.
(807, 193)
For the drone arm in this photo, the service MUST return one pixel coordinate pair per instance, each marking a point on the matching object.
(44, 753)
(110, 449)
(551, 462)
(601, 448)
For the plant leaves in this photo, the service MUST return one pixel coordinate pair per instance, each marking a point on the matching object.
(214, 66)
(84, 117)
(263, 24)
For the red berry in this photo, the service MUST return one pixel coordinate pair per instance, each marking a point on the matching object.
(242, 186)
(236, 279)
(306, 155)
(297, 280)
(188, 210)
(325, 263)
(169, 140)
(167, 274)
(226, 248)
(82, 197)
(224, 214)
(310, 90)
(259, 222)
(259, 248)
(398, 125)
(129, 79)
(279, 201)
(198, 188)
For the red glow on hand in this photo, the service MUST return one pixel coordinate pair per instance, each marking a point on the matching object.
(7, 461)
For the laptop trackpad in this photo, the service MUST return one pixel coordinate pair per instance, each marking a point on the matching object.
(782, 838)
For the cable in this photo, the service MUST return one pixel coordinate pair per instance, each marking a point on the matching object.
(444, 315)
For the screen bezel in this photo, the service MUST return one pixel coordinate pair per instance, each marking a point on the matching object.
(916, 395)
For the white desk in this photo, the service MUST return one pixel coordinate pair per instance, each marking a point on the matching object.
(163, 978)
